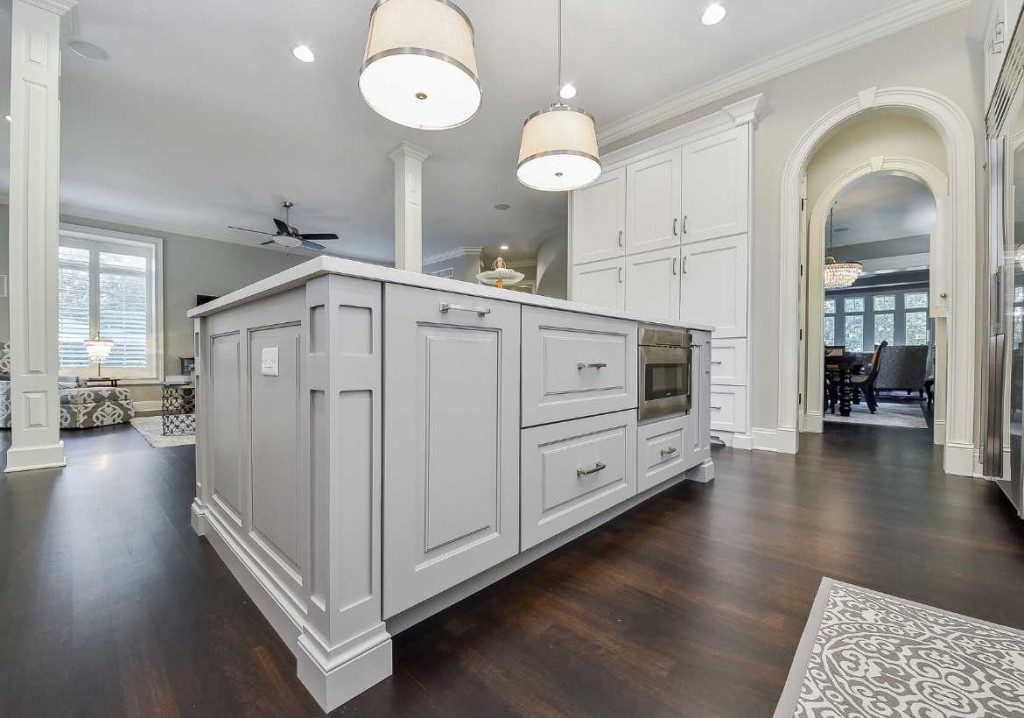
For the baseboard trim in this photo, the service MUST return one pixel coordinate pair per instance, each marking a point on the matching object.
(779, 441)
(35, 457)
(743, 441)
(939, 433)
(813, 423)
(958, 459)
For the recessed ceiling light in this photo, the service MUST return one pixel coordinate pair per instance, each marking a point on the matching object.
(302, 53)
(502, 207)
(88, 50)
(568, 91)
(503, 248)
(713, 14)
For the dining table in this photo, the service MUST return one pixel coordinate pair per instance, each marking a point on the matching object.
(839, 372)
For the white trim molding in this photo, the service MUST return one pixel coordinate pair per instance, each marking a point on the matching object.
(453, 254)
(952, 124)
(878, 25)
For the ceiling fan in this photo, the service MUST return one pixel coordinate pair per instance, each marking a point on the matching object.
(287, 235)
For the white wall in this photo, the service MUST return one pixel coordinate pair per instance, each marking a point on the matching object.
(935, 55)
(552, 267)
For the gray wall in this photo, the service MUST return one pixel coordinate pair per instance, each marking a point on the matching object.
(552, 267)
(464, 268)
(935, 55)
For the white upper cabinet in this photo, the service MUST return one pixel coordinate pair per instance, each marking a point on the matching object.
(599, 218)
(600, 283)
(715, 185)
(451, 440)
(653, 216)
(714, 285)
(652, 283)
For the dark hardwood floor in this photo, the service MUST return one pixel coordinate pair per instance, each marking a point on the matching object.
(690, 605)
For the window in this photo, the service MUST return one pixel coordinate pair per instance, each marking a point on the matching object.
(860, 319)
(109, 284)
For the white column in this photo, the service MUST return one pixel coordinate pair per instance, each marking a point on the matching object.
(34, 217)
(408, 161)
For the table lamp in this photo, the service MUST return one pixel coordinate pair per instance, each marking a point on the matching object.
(98, 350)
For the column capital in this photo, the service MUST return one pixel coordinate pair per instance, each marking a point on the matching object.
(407, 149)
(58, 7)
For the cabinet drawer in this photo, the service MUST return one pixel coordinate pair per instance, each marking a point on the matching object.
(729, 361)
(576, 365)
(728, 408)
(661, 450)
(574, 470)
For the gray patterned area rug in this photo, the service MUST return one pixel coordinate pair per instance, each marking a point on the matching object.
(868, 655)
(904, 416)
(151, 428)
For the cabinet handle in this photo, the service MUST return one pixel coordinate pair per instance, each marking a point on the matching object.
(620, 237)
(620, 275)
(674, 262)
(669, 451)
(587, 472)
(446, 307)
(685, 218)
(684, 264)
(675, 226)
(716, 363)
(581, 365)
(717, 408)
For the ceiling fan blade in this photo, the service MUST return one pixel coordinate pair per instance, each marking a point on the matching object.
(312, 245)
(269, 241)
(282, 228)
(246, 229)
(319, 236)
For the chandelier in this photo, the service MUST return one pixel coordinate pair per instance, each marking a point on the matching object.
(839, 275)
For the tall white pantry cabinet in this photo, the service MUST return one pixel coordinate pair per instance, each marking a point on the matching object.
(666, 230)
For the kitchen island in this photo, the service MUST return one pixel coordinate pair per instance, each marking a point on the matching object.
(374, 445)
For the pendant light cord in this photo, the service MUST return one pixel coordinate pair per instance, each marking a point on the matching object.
(558, 71)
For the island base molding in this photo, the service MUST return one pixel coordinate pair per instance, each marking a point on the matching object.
(335, 676)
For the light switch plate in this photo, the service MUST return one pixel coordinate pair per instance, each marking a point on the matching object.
(268, 362)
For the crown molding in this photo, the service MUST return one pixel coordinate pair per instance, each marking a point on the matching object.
(453, 254)
(874, 27)
(407, 149)
(58, 7)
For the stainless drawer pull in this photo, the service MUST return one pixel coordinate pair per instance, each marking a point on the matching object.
(581, 365)
(480, 311)
(675, 227)
(716, 363)
(620, 237)
(587, 472)
(717, 408)
(669, 451)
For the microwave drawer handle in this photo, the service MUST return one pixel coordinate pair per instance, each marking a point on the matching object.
(669, 451)
(587, 472)
(479, 311)
(581, 365)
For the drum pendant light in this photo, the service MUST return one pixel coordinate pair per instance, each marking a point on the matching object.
(558, 151)
(419, 68)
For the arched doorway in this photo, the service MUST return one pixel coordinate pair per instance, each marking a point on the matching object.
(955, 275)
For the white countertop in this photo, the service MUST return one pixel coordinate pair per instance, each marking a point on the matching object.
(319, 266)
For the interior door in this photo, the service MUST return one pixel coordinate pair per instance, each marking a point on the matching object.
(652, 283)
(714, 285)
(653, 217)
(599, 218)
(715, 185)
(602, 284)
(451, 440)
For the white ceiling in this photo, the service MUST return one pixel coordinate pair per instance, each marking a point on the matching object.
(201, 118)
(880, 207)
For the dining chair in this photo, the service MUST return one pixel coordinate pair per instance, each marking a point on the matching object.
(866, 382)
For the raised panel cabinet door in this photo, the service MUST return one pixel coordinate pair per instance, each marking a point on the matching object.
(713, 287)
(653, 209)
(451, 440)
(652, 283)
(602, 284)
(700, 411)
(599, 218)
(715, 185)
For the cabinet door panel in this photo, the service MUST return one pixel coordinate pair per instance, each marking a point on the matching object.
(653, 203)
(600, 283)
(715, 185)
(714, 285)
(701, 412)
(451, 460)
(664, 450)
(652, 283)
(599, 218)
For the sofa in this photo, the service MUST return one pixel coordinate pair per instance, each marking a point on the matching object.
(81, 407)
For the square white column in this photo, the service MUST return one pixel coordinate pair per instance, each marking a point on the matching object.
(34, 218)
(408, 161)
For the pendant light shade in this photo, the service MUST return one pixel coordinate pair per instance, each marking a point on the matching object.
(419, 69)
(559, 150)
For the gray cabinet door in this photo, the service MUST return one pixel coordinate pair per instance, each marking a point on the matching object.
(451, 440)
